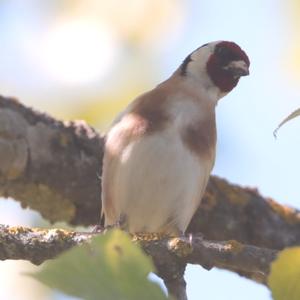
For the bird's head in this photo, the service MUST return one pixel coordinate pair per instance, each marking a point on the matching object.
(218, 64)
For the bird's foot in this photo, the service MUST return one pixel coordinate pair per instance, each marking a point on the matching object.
(98, 229)
(194, 236)
(182, 245)
(103, 229)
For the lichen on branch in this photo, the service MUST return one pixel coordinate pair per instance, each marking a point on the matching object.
(170, 255)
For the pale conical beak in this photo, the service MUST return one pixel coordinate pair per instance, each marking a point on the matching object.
(237, 68)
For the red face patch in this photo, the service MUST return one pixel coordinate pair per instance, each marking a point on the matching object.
(225, 52)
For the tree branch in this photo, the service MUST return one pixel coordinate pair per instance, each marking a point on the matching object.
(177, 288)
(170, 255)
(48, 165)
(54, 168)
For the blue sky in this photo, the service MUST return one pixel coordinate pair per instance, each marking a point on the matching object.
(247, 152)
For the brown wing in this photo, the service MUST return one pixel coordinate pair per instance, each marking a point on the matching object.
(143, 116)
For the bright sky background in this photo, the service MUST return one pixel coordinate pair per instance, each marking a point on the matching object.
(42, 66)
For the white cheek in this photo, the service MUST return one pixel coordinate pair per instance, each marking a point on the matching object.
(197, 73)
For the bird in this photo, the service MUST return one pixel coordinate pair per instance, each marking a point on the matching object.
(159, 152)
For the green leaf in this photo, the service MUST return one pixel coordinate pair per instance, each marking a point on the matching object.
(109, 267)
(285, 275)
(293, 115)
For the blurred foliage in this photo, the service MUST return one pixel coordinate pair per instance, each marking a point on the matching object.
(44, 56)
(293, 49)
(99, 111)
(153, 17)
(109, 267)
(285, 275)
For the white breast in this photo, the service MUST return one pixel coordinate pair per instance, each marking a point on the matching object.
(159, 182)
